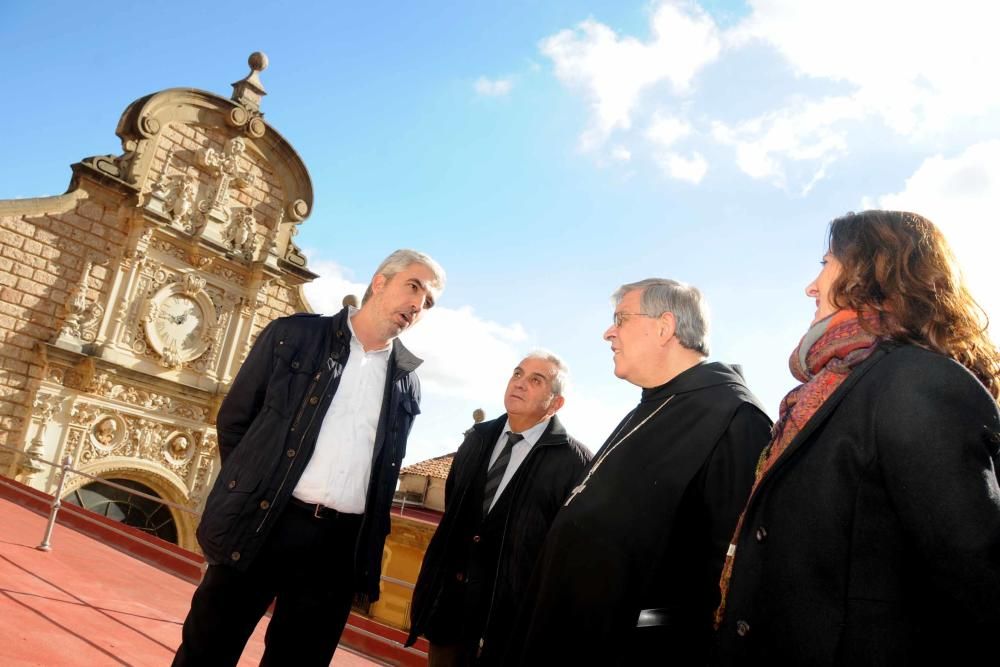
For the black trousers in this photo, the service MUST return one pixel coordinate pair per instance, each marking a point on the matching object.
(306, 568)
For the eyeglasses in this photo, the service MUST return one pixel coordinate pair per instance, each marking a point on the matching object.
(620, 318)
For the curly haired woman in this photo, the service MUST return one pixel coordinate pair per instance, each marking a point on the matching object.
(872, 535)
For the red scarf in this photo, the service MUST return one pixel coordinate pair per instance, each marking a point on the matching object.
(823, 359)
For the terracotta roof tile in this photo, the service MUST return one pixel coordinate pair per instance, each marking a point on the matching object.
(437, 467)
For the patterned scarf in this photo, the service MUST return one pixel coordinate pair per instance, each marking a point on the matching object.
(823, 359)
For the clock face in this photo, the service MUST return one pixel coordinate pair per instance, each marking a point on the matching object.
(176, 325)
(179, 322)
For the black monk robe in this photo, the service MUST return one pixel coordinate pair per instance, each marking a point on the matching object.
(650, 530)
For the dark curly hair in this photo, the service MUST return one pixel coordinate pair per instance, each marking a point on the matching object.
(899, 265)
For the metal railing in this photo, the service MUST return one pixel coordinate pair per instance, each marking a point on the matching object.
(65, 468)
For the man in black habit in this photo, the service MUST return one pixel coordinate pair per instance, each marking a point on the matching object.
(507, 481)
(629, 571)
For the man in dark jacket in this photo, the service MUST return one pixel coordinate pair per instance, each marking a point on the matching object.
(311, 436)
(629, 570)
(507, 481)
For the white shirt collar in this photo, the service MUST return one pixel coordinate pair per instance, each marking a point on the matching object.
(533, 434)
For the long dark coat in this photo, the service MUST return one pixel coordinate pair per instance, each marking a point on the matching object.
(875, 539)
(649, 531)
(268, 426)
(507, 542)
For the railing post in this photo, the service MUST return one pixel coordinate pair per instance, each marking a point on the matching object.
(46, 544)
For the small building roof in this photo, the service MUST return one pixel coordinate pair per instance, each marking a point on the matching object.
(437, 467)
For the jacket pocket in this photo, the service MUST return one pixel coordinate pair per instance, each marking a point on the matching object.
(292, 370)
(228, 499)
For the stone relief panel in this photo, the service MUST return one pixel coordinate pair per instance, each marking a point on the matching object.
(108, 418)
(213, 185)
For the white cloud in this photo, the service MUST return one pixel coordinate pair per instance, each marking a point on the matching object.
(326, 293)
(613, 71)
(621, 154)
(688, 169)
(814, 133)
(961, 195)
(493, 87)
(920, 70)
(665, 130)
(917, 64)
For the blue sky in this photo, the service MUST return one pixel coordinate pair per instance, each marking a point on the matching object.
(545, 153)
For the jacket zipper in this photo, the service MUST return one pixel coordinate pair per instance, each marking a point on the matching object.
(301, 440)
(305, 401)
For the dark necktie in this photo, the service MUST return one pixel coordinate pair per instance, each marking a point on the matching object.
(496, 472)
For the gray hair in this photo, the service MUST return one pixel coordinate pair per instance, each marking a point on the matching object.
(561, 378)
(403, 258)
(661, 295)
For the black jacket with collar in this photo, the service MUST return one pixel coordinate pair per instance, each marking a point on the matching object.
(527, 507)
(875, 537)
(268, 425)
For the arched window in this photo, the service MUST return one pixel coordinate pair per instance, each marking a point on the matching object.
(132, 510)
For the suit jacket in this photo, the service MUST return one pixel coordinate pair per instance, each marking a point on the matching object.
(494, 556)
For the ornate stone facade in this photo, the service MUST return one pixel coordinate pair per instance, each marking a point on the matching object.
(128, 304)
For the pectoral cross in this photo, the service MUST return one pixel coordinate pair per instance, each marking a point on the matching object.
(578, 489)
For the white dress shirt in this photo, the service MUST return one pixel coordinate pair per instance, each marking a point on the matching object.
(518, 453)
(337, 475)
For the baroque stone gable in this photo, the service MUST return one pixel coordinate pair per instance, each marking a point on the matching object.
(128, 304)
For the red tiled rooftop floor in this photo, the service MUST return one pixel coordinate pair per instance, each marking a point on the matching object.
(85, 603)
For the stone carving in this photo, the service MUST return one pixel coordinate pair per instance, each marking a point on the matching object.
(226, 166)
(138, 253)
(178, 448)
(83, 413)
(73, 442)
(168, 248)
(192, 283)
(173, 196)
(104, 386)
(44, 408)
(228, 274)
(82, 316)
(270, 244)
(180, 204)
(248, 93)
(239, 235)
(293, 254)
(105, 431)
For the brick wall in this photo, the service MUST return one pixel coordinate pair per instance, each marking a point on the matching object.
(42, 256)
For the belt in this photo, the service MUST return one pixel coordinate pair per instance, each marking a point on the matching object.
(319, 511)
(651, 618)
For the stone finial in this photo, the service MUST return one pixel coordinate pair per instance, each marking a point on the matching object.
(249, 91)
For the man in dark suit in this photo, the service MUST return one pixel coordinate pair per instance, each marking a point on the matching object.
(507, 481)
